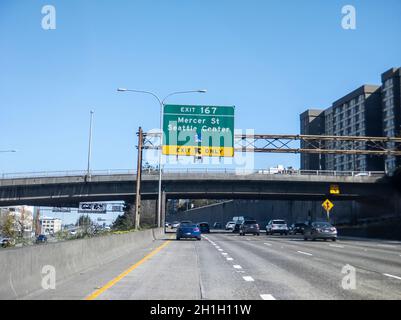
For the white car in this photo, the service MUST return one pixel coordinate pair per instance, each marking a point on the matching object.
(277, 226)
(230, 225)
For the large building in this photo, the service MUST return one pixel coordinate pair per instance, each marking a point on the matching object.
(356, 114)
(50, 225)
(312, 123)
(369, 110)
(391, 104)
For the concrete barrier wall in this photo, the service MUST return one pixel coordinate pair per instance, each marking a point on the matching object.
(21, 268)
(265, 210)
(344, 212)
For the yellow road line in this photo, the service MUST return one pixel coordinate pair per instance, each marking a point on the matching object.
(111, 283)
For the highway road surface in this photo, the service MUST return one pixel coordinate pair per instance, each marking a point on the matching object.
(226, 266)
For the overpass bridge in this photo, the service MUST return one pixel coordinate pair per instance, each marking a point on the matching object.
(68, 188)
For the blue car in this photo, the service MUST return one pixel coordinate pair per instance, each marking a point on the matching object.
(188, 231)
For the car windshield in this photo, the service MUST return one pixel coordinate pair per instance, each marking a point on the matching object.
(321, 225)
(250, 222)
(188, 225)
(278, 222)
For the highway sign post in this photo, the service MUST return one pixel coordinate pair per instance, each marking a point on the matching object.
(327, 205)
(198, 130)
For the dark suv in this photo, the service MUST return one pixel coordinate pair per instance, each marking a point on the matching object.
(204, 227)
(237, 226)
(249, 226)
(297, 228)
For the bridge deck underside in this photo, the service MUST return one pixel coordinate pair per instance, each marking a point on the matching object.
(70, 194)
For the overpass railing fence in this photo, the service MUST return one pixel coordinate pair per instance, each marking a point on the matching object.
(231, 171)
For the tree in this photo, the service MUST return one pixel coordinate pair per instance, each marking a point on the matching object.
(7, 226)
(84, 221)
(124, 221)
(148, 168)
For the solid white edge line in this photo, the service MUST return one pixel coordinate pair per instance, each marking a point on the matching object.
(267, 297)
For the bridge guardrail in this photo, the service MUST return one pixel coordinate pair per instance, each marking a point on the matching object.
(83, 173)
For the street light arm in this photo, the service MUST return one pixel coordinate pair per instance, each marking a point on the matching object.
(182, 92)
(142, 91)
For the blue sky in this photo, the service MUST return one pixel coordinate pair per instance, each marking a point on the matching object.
(271, 59)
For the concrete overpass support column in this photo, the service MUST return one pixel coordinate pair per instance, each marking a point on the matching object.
(163, 209)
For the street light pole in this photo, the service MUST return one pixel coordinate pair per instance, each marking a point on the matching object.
(88, 173)
(161, 103)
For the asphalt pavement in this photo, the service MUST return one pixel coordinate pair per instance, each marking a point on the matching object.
(226, 266)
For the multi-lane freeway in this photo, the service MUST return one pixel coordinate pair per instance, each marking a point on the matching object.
(225, 266)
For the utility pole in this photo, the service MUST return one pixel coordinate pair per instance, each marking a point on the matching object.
(138, 180)
(88, 173)
(37, 222)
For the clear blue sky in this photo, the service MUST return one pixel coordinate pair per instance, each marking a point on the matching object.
(271, 59)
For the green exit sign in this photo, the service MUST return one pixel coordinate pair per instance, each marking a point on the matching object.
(198, 130)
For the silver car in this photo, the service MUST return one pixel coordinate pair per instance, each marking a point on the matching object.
(277, 226)
(320, 230)
(230, 225)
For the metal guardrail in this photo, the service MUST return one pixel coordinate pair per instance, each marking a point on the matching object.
(66, 173)
(83, 173)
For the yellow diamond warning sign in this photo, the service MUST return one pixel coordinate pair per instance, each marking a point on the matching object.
(327, 205)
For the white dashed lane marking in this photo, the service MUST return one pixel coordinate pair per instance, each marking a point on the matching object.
(391, 276)
(305, 253)
(230, 259)
(248, 278)
(267, 297)
(236, 266)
